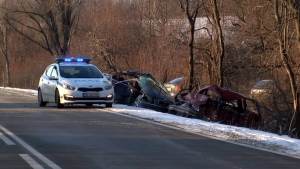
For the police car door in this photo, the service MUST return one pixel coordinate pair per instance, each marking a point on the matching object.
(52, 84)
(45, 84)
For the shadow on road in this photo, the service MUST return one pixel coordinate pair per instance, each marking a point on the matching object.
(51, 106)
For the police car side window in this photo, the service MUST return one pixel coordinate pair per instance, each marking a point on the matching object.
(54, 72)
(48, 73)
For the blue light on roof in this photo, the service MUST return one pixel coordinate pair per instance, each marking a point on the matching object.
(86, 60)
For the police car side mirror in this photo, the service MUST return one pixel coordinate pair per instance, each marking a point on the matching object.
(52, 78)
(107, 76)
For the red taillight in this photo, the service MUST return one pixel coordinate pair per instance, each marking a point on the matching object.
(177, 88)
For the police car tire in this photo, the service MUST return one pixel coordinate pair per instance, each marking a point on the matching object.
(57, 100)
(40, 99)
(108, 105)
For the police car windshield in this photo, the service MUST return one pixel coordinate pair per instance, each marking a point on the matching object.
(79, 72)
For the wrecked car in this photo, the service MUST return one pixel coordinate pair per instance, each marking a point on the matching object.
(140, 89)
(217, 104)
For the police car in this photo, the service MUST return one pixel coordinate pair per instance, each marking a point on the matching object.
(74, 81)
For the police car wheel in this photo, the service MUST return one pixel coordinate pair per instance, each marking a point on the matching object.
(108, 105)
(40, 99)
(57, 100)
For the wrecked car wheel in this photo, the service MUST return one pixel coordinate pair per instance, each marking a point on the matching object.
(136, 102)
(172, 112)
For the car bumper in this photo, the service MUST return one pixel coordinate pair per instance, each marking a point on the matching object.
(183, 110)
(76, 97)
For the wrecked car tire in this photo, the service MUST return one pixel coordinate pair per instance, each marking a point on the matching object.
(136, 101)
(172, 112)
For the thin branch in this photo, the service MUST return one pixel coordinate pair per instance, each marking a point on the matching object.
(22, 24)
(31, 39)
(42, 31)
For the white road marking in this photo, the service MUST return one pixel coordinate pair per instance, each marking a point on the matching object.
(200, 134)
(29, 148)
(6, 140)
(31, 161)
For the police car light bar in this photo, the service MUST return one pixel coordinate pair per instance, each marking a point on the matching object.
(87, 60)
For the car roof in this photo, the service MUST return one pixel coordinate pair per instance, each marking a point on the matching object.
(264, 83)
(73, 64)
(223, 93)
(177, 80)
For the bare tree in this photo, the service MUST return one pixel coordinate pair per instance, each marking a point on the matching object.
(4, 27)
(4, 52)
(48, 24)
(220, 41)
(285, 11)
(190, 9)
(295, 5)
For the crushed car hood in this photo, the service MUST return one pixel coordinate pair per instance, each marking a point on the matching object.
(223, 93)
(193, 98)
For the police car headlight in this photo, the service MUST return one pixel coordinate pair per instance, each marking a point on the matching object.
(109, 86)
(67, 86)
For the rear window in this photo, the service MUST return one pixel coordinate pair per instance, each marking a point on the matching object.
(79, 72)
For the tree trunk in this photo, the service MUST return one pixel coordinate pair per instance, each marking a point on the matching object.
(297, 11)
(66, 13)
(220, 45)
(282, 33)
(4, 52)
(296, 117)
(191, 16)
(191, 55)
(294, 91)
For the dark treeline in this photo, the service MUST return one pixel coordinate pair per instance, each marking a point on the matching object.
(232, 43)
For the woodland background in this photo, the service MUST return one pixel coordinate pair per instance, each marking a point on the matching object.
(231, 43)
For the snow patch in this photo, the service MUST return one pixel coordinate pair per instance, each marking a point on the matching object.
(22, 91)
(247, 136)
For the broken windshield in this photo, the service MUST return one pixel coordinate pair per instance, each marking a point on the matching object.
(148, 80)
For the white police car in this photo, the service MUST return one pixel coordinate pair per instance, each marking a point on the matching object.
(74, 81)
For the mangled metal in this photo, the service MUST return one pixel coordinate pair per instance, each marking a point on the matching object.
(217, 104)
(142, 90)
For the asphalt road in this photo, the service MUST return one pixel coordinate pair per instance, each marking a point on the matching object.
(80, 137)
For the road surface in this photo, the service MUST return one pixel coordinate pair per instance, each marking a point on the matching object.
(78, 137)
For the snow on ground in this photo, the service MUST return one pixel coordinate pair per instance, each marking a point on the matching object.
(255, 138)
(18, 90)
